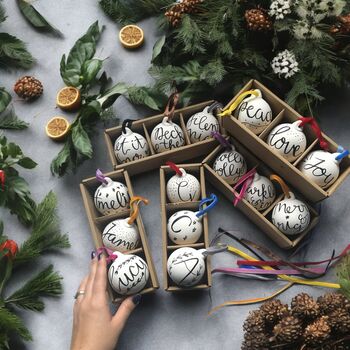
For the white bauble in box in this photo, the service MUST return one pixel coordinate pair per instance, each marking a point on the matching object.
(288, 140)
(186, 266)
(321, 167)
(130, 146)
(128, 274)
(230, 165)
(166, 136)
(184, 227)
(260, 193)
(121, 236)
(183, 188)
(200, 125)
(111, 197)
(291, 216)
(255, 113)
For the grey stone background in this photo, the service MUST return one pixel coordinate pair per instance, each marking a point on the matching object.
(162, 321)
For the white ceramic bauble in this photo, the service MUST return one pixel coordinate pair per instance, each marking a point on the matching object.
(112, 197)
(255, 113)
(288, 140)
(230, 165)
(130, 146)
(183, 188)
(291, 216)
(320, 167)
(121, 236)
(128, 274)
(186, 266)
(166, 136)
(184, 227)
(201, 125)
(260, 193)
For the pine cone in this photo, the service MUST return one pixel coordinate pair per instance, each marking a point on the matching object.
(333, 301)
(304, 306)
(317, 332)
(258, 20)
(339, 320)
(342, 26)
(288, 330)
(341, 345)
(273, 311)
(254, 322)
(255, 341)
(28, 88)
(175, 13)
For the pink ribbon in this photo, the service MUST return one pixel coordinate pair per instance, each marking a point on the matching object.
(111, 256)
(100, 177)
(245, 181)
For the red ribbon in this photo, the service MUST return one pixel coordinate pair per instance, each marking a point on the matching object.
(245, 181)
(174, 167)
(316, 128)
(2, 179)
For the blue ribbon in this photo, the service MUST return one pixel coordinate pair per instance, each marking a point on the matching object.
(342, 155)
(213, 199)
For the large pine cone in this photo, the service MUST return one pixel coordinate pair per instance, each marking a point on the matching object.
(28, 88)
(288, 330)
(333, 301)
(317, 332)
(339, 320)
(258, 20)
(255, 341)
(304, 306)
(273, 311)
(254, 322)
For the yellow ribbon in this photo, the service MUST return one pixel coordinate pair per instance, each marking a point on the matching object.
(134, 205)
(235, 104)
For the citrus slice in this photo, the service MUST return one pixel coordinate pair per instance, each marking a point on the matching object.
(131, 36)
(68, 98)
(57, 128)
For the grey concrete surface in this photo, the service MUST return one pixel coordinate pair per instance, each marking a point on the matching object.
(162, 321)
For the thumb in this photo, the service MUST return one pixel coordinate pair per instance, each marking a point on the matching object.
(124, 311)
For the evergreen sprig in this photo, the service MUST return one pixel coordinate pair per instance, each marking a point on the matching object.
(343, 274)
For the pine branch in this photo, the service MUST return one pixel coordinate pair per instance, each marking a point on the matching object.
(143, 95)
(29, 296)
(11, 323)
(343, 274)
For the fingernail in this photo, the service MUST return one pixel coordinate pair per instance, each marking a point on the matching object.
(93, 254)
(99, 256)
(136, 299)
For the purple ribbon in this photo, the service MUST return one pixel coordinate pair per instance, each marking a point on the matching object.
(266, 272)
(100, 177)
(221, 139)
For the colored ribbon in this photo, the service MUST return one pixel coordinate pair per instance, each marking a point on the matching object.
(283, 185)
(342, 155)
(174, 167)
(213, 200)
(236, 103)
(228, 270)
(214, 250)
(2, 179)
(134, 205)
(100, 177)
(111, 256)
(224, 143)
(127, 123)
(245, 181)
(214, 107)
(171, 105)
(316, 128)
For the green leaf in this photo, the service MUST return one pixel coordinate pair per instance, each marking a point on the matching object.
(62, 161)
(2, 13)
(9, 120)
(5, 99)
(35, 18)
(109, 97)
(89, 70)
(157, 48)
(13, 52)
(81, 140)
(27, 163)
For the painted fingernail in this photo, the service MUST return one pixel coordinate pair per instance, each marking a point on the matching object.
(99, 256)
(136, 299)
(93, 254)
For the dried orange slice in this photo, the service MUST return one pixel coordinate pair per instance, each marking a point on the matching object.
(68, 98)
(131, 36)
(57, 128)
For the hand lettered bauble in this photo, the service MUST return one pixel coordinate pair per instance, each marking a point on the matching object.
(184, 227)
(320, 167)
(183, 188)
(201, 125)
(288, 140)
(260, 193)
(255, 113)
(111, 197)
(186, 266)
(121, 236)
(230, 165)
(291, 216)
(166, 136)
(128, 274)
(130, 146)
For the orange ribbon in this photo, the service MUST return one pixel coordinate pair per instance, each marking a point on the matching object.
(283, 185)
(134, 205)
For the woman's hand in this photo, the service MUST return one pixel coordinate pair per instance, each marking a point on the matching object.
(94, 327)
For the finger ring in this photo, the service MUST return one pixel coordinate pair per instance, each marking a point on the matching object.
(78, 293)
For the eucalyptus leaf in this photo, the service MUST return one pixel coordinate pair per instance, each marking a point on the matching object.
(34, 17)
(157, 48)
(5, 99)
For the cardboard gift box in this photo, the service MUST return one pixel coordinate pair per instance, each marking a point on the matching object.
(261, 219)
(283, 113)
(98, 222)
(155, 160)
(167, 209)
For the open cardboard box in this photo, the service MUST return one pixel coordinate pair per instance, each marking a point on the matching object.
(261, 219)
(167, 209)
(155, 160)
(98, 222)
(283, 113)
